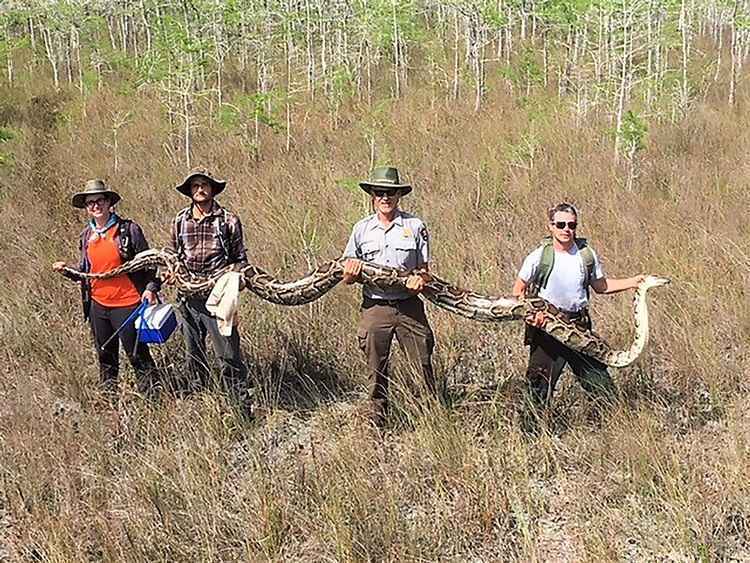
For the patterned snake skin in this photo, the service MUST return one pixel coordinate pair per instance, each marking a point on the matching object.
(438, 291)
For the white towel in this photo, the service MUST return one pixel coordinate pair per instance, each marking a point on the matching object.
(224, 300)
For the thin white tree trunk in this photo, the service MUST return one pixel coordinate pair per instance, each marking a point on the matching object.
(186, 117)
(51, 56)
(734, 52)
(624, 82)
(455, 56)
(396, 55)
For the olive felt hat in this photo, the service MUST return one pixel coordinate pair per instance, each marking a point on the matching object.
(216, 184)
(94, 187)
(385, 177)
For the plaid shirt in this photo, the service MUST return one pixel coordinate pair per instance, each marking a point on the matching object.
(201, 246)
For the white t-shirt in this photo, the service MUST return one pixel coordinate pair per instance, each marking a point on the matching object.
(565, 287)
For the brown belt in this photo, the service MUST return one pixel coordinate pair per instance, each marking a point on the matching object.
(369, 302)
(579, 317)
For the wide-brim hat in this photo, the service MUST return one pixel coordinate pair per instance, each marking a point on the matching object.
(94, 187)
(216, 184)
(385, 177)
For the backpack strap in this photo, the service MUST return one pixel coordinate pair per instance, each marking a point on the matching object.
(543, 270)
(587, 255)
(179, 228)
(222, 232)
(83, 245)
(547, 262)
(83, 239)
(126, 239)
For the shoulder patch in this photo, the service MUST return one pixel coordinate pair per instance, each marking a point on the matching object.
(423, 233)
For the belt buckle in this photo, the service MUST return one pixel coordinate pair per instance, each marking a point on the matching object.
(576, 316)
(569, 316)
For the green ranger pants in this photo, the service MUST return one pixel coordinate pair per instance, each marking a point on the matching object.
(547, 359)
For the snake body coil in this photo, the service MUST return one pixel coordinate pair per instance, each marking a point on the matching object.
(461, 302)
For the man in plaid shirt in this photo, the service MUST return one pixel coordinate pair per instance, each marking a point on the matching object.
(208, 237)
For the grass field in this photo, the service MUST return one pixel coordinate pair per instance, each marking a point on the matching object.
(665, 477)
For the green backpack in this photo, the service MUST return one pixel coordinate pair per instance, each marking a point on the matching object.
(548, 261)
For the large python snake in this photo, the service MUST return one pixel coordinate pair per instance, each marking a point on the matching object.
(438, 291)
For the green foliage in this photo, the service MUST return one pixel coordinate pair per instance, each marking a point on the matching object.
(526, 70)
(523, 152)
(192, 49)
(229, 116)
(349, 184)
(564, 12)
(248, 107)
(184, 48)
(492, 15)
(10, 45)
(6, 135)
(152, 67)
(742, 22)
(633, 132)
(342, 85)
(380, 19)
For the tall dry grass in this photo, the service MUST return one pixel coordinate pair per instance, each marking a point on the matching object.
(665, 476)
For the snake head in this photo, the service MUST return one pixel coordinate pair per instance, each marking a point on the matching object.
(654, 281)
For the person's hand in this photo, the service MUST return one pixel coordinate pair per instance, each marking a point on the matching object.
(352, 269)
(150, 296)
(637, 280)
(58, 266)
(536, 320)
(415, 283)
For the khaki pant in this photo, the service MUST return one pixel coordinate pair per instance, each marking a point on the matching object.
(380, 322)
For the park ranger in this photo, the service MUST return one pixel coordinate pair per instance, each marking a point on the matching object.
(390, 237)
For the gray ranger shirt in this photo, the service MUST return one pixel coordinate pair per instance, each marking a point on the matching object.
(404, 245)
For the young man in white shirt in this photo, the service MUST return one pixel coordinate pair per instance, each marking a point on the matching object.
(561, 271)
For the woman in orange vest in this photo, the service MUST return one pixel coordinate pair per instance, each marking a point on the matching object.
(106, 242)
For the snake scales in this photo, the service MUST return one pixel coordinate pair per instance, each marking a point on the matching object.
(438, 291)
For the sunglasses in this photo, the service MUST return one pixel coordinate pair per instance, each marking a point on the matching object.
(99, 201)
(385, 193)
(562, 224)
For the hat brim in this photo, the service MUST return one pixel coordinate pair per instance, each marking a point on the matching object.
(217, 186)
(368, 187)
(79, 200)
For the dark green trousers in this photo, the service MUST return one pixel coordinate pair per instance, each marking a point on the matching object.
(548, 358)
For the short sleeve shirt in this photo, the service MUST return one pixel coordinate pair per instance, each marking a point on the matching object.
(404, 245)
(565, 286)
